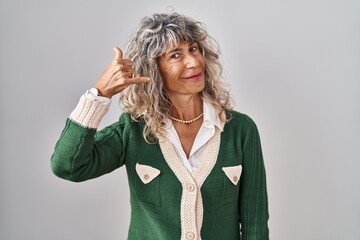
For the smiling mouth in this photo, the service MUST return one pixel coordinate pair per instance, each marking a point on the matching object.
(194, 77)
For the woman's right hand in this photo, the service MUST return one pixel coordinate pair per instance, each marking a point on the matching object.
(117, 76)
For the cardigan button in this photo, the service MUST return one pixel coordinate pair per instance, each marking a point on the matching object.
(190, 187)
(190, 235)
(235, 179)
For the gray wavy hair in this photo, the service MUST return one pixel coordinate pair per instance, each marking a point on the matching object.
(149, 102)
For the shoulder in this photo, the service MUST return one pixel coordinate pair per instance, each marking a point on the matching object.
(125, 118)
(123, 127)
(241, 126)
(240, 119)
(134, 126)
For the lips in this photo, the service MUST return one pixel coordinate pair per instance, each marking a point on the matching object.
(194, 77)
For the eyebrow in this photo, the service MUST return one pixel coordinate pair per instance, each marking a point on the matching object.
(177, 49)
(174, 50)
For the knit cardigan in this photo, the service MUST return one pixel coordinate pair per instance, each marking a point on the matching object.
(226, 197)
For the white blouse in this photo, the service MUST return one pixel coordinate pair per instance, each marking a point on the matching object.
(206, 132)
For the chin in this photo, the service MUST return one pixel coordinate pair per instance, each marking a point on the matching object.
(199, 89)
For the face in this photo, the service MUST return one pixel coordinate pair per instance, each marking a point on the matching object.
(183, 69)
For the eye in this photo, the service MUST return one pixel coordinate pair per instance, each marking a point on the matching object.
(193, 49)
(175, 56)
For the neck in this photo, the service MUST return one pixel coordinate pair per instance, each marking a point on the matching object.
(186, 106)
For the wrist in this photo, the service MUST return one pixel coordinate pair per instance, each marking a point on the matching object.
(97, 92)
(94, 91)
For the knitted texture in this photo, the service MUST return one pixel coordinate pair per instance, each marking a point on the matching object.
(175, 204)
(88, 112)
(191, 202)
(189, 190)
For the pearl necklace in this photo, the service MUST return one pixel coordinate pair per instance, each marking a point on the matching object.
(186, 121)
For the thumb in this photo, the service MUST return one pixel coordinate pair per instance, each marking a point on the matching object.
(118, 54)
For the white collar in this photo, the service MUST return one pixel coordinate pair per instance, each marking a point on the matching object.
(211, 116)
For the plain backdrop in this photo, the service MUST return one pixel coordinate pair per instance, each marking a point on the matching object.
(293, 66)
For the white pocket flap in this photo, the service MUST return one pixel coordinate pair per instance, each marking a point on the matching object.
(233, 173)
(146, 173)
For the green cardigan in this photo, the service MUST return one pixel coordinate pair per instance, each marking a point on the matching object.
(167, 202)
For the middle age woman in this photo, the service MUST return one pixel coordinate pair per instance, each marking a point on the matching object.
(195, 167)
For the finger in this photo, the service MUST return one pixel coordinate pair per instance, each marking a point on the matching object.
(123, 68)
(118, 54)
(127, 62)
(123, 76)
(137, 80)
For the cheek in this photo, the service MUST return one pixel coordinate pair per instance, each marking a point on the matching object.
(202, 62)
(172, 73)
(171, 70)
(170, 76)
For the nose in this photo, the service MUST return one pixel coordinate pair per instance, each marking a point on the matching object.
(191, 61)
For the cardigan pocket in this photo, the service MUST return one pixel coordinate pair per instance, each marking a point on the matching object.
(231, 183)
(148, 184)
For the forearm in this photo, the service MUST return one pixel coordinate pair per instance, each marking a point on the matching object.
(72, 151)
(78, 154)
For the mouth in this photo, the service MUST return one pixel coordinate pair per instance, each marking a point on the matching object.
(194, 77)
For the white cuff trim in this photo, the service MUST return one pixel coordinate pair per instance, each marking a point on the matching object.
(88, 112)
(233, 173)
(146, 173)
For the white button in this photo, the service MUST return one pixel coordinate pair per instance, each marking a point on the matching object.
(208, 124)
(190, 187)
(190, 235)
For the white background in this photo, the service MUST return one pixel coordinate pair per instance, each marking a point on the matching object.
(293, 66)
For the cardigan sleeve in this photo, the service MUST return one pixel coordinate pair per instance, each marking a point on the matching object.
(253, 202)
(82, 152)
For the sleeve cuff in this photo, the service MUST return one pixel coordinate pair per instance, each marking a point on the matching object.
(89, 112)
(93, 94)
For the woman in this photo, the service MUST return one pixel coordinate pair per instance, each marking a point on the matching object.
(194, 166)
